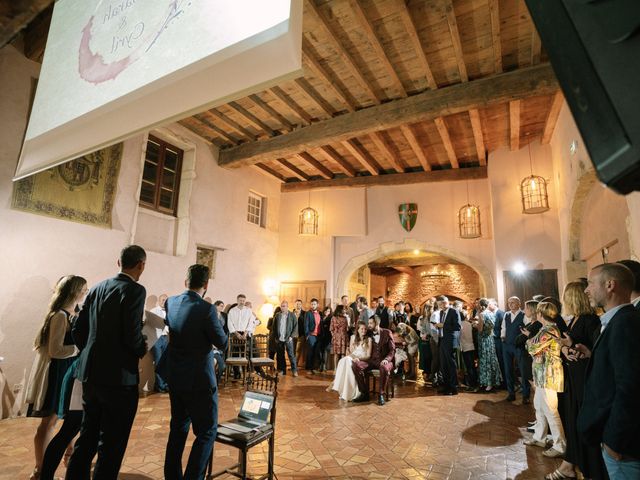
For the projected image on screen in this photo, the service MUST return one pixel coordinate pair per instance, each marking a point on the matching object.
(251, 405)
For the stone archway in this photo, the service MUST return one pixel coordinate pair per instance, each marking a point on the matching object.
(487, 282)
(585, 184)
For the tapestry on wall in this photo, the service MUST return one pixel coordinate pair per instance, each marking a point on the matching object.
(82, 190)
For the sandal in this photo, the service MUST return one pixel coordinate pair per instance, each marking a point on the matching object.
(557, 475)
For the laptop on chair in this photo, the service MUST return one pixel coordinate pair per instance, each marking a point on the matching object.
(254, 413)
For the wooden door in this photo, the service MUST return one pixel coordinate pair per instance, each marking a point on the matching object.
(531, 282)
(305, 291)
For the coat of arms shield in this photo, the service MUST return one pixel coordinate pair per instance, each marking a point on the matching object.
(408, 213)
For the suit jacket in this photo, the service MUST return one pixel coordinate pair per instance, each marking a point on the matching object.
(108, 330)
(497, 326)
(194, 327)
(273, 325)
(451, 325)
(385, 350)
(310, 323)
(609, 412)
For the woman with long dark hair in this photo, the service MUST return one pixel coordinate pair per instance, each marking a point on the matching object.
(489, 375)
(55, 353)
(359, 349)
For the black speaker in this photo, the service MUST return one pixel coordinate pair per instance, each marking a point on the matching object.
(594, 48)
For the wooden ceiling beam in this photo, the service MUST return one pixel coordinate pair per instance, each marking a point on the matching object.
(315, 97)
(552, 118)
(514, 124)
(536, 46)
(455, 40)
(369, 32)
(410, 27)
(410, 135)
(231, 122)
(498, 89)
(385, 149)
(292, 169)
(341, 51)
(251, 118)
(450, 175)
(478, 138)
(313, 163)
(269, 171)
(288, 102)
(331, 154)
(269, 110)
(364, 157)
(446, 142)
(344, 96)
(17, 15)
(197, 127)
(201, 118)
(494, 10)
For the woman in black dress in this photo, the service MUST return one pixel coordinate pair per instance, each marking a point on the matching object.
(583, 327)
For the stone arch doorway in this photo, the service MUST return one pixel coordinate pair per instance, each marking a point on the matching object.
(486, 280)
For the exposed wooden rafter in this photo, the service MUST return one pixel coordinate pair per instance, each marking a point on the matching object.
(446, 142)
(269, 171)
(315, 164)
(229, 121)
(386, 150)
(450, 175)
(315, 97)
(269, 110)
(16, 15)
(536, 46)
(499, 89)
(478, 138)
(330, 153)
(341, 51)
(288, 102)
(552, 118)
(251, 118)
(364, 157)
(411, 138)
(417, 45)
(494, 10)
(455, 40)
(514, 124)
(292, 169)
(202, 119)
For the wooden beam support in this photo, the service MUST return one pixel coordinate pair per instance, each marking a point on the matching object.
(331, 154)
(385, 149)
(455, 40)
(291, 104)
(269, 110)
(17, 15)
(410, 135)
(344, 96)
(208, 124)
(291, 168)
(478, 138)
(269, 171)
(364, 157)
(450, 175)
(514, 124)
(202, 131)
(498, 89)
(446, 142)
(315, 97)
(417, 45)
(494, 10)
(552, 118)
(251, 118)
(313, 163)
(35, 35)
(341, 51)
(229, 121)
(367, 29)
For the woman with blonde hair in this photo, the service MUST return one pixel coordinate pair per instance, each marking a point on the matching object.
(55, 352)
(548, 377)
(583, 327)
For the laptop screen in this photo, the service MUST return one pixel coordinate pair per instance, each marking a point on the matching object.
(256, 407)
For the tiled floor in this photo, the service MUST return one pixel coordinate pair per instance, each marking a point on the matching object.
(416, 435)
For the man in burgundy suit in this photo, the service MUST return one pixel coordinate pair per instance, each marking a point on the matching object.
(383, 349)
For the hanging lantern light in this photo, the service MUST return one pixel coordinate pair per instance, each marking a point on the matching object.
(469, 221)
(533, 191)
(308, 222)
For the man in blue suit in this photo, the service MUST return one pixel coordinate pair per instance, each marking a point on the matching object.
(194, 327)
(448, 324)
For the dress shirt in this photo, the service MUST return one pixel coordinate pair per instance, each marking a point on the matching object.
(466, 337)
(376, 337)
(512, 317)
(316, 318)
(435, 318)
(443, 316)
(635, 301)
(608, 315)
(282, 326)
(159, 311)
(241, 320)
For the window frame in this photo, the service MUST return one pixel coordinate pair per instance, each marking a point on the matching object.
(262, 210)
(163, 147)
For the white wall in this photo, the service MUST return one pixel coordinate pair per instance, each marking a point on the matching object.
(37, 250)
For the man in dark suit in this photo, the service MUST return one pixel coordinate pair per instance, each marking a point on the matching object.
(383, 350)
(312, 330)
(635, 269)
(448, 325)
(608, 416)
(512, 322)
(282, 328)
(109, 333)
(497, 330)
(194, 327)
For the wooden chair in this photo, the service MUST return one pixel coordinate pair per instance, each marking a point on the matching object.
(390, 391)
(260, 352)
(265, 384)
(236, 357)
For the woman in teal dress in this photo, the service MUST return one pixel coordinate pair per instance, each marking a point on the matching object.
(488, 367)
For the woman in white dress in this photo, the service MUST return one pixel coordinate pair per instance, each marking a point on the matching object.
(359, 349)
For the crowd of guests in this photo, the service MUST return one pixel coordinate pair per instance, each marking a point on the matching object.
(579, 356)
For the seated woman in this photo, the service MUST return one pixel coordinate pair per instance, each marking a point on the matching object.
(345, 380)
(409, 346)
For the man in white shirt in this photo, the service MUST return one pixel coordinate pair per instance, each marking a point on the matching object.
(469, 353)
(241, 323)
(158, 350)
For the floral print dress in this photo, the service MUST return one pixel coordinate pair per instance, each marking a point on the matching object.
(547, 364)
(488, 366)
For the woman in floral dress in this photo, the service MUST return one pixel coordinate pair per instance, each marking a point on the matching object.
(488, 367)
(339, 338)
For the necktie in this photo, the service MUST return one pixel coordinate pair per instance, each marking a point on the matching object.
(442, 315)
